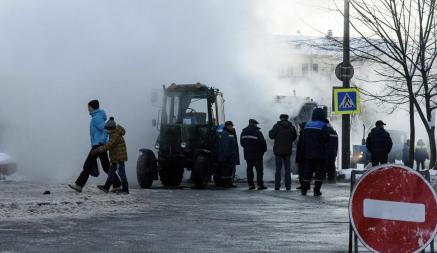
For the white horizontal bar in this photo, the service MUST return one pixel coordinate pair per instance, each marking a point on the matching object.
(391, 210)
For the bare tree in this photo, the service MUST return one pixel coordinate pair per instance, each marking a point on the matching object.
(400, 36)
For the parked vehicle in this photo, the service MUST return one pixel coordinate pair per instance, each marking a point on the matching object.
(190, 118)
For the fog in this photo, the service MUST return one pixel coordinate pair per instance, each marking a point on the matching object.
(58, 55)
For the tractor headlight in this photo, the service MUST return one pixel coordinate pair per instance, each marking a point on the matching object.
(157, 146)
(183, 145)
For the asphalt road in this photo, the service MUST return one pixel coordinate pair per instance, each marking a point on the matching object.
(187, 220)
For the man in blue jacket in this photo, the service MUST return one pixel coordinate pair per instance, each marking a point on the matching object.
(99, 137)
(254, 144)
(228, 153)
(315, 142)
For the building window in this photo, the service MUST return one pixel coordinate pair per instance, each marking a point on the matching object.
(304, 68)
(290, 71)
(315, 67)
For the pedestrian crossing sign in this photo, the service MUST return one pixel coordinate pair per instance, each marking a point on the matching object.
(346, 100)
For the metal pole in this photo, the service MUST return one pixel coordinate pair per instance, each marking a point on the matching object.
(346, 120)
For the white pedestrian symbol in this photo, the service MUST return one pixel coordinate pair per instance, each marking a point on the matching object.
(347, 103)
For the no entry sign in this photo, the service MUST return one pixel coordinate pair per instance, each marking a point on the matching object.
(394, 209)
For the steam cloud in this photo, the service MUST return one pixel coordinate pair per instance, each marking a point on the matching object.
(58, 55)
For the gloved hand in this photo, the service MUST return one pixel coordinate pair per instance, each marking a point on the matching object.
(96, 151)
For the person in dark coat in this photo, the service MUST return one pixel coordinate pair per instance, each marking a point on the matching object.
(254, 144)
(315, 141)
(300, 156)
(331, 170)
(237, 162)
(420, 155)
(379, 144)
(284, 134)
(406, 152)
(228, 153)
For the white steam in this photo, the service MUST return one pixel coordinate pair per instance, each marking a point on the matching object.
(58, 55)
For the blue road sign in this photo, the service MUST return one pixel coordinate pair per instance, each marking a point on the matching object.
(346, 100)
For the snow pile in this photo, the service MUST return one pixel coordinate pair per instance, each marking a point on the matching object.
(24, 200)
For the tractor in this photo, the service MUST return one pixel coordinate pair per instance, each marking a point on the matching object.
(191, 116)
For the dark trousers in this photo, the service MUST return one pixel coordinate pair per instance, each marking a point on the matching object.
(419, 164)
(379, 159)
(331, 170)
(226, 171)
(120, 168)
(91, 164)
(314, 167)
(287, 165)
(259, 166)
(301, 170)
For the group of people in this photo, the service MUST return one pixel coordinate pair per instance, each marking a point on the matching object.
(114, 166)
(420, 154)
(379, 144)
(317, 150)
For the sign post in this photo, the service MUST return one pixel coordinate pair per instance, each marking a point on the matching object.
(393, 209)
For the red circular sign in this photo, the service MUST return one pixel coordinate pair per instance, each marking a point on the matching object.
(393, 209)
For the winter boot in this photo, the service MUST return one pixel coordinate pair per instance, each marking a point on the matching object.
(305, 187)
(75, 187)
(251, 187)
(125, 189)
(103, 188)
(262, 187)
(116, 189)
(317, 187)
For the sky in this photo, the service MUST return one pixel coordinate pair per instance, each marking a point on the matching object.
(309, 17)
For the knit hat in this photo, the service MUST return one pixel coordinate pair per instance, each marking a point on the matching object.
(380, 123)
(253, 121)
(283, 116)
(94, 104)
(110, 124)
(318, 114)
(229, 123)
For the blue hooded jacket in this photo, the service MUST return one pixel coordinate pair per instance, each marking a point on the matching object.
(316, 137)
(98, 133)
(228, 147)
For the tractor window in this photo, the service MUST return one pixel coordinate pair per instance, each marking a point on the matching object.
(185, 109)
(171, 110)
(220, 109)
(194, 112)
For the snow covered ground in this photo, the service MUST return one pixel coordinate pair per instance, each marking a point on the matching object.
(195, 220)
(25, 200)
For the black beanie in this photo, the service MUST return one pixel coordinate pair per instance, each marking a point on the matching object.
(110, 124)
(94, 104)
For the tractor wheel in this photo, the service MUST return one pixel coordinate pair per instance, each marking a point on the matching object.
(171, 177)
(146, 167)
(200, 172)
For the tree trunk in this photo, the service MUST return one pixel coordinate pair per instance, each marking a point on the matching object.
(432, 148)
(412, 136)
